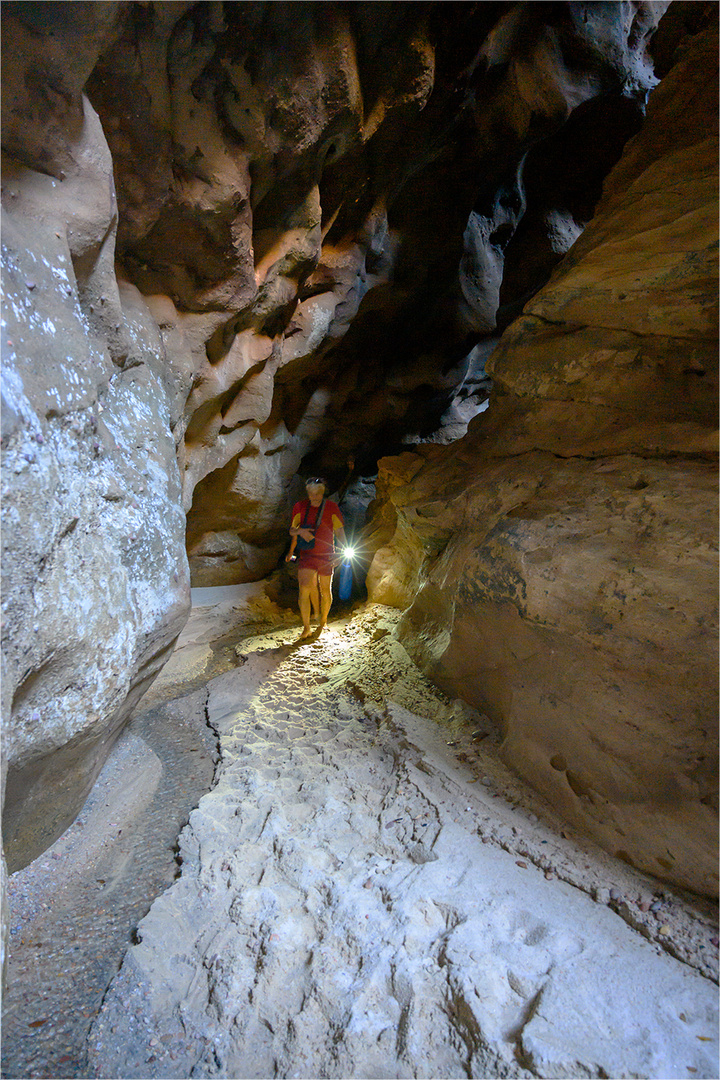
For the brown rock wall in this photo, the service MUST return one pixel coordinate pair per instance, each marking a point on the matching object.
(568, 572)
(574, 606)
(283, 174)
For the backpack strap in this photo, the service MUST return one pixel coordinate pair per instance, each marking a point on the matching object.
(319, 517)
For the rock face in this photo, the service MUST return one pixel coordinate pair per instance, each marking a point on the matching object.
(239, 240)
(286, 174)
(95, 577)
(559, 563)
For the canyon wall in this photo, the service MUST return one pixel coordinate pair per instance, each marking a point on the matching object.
(245, 240)
(95, 576)
(559, 563)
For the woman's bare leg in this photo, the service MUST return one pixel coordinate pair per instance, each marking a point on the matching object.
(307, 597)
(315, 598)
(325, 586)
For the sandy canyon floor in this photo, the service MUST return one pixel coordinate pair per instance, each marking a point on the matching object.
(364, 891)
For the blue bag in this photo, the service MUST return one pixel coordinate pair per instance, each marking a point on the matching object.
(307, 545)
(345, 580)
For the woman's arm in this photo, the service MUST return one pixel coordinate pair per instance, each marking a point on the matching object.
(296, 530)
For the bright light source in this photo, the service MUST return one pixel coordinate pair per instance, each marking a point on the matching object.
(349, 552)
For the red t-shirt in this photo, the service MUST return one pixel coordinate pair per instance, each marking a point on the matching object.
(320, 557)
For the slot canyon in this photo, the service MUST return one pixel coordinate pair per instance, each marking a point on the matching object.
(460, 259)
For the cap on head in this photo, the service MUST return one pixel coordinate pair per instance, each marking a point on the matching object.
(316, 481)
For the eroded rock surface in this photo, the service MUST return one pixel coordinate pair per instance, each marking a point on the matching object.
(323, 216)
(569, 587)
(288, 175)
(95, 578)
(564, 605)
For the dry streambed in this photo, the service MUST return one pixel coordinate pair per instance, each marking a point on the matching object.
(367, 892)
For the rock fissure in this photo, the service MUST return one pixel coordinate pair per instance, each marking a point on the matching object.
(663, 455)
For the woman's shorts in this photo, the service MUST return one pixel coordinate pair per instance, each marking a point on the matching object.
(308, 560)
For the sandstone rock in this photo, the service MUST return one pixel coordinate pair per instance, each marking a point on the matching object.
(396, 553)
(95, 583)
(48, 55)
(222, 558)
(563, 616)
(568, 567)
(317, 197)
(611, 334)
